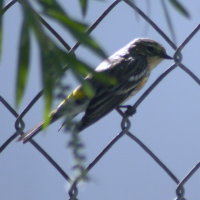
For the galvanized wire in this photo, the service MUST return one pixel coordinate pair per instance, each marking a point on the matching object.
(125, 114)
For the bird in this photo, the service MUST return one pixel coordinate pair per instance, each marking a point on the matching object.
(130, 66)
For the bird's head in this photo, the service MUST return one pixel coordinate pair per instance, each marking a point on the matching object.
(150, 49)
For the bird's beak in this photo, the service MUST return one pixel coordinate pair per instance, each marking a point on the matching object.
(165, 56)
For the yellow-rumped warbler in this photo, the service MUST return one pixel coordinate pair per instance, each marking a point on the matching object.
(130, 66)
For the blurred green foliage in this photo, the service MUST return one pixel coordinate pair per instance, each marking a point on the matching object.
(54, 60)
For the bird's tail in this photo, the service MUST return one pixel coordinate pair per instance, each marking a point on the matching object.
(28, 135)
(53, 117)
(55, 114)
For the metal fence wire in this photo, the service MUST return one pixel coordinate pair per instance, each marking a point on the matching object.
(125, 115)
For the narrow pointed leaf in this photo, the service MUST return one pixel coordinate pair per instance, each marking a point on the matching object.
(51, 5)
(81, 70)
(78, 31)
(49, 68)
(79, 66)
(53, 58)
(84, 6)
(180, 8)
(48, 88)
(43, 44)
(23, 62)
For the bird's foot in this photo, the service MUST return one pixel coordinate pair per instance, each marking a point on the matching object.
(130, 110)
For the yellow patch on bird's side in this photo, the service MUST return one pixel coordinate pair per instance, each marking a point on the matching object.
(78, 93)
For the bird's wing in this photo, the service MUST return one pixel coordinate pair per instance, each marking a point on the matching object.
(99, 108)
(109, 97)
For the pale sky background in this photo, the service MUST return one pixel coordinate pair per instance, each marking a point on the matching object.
(167, 121)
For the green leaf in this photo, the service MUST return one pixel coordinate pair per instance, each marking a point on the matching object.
(23, 61)
(46, 78)
(51, 5)
(81, 70)
(45, 46)
(84, 6)
(180, 7)
(54, 59)
(78, 31)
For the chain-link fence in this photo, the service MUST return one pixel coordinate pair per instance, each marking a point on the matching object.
(126, 115)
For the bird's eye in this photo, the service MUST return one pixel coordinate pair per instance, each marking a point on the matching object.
(150, 49)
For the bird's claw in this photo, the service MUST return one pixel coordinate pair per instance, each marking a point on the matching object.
(130, 110)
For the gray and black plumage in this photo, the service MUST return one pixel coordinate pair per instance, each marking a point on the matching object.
(130, 66)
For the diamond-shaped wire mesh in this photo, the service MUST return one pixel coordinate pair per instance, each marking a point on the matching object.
(126, 119)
